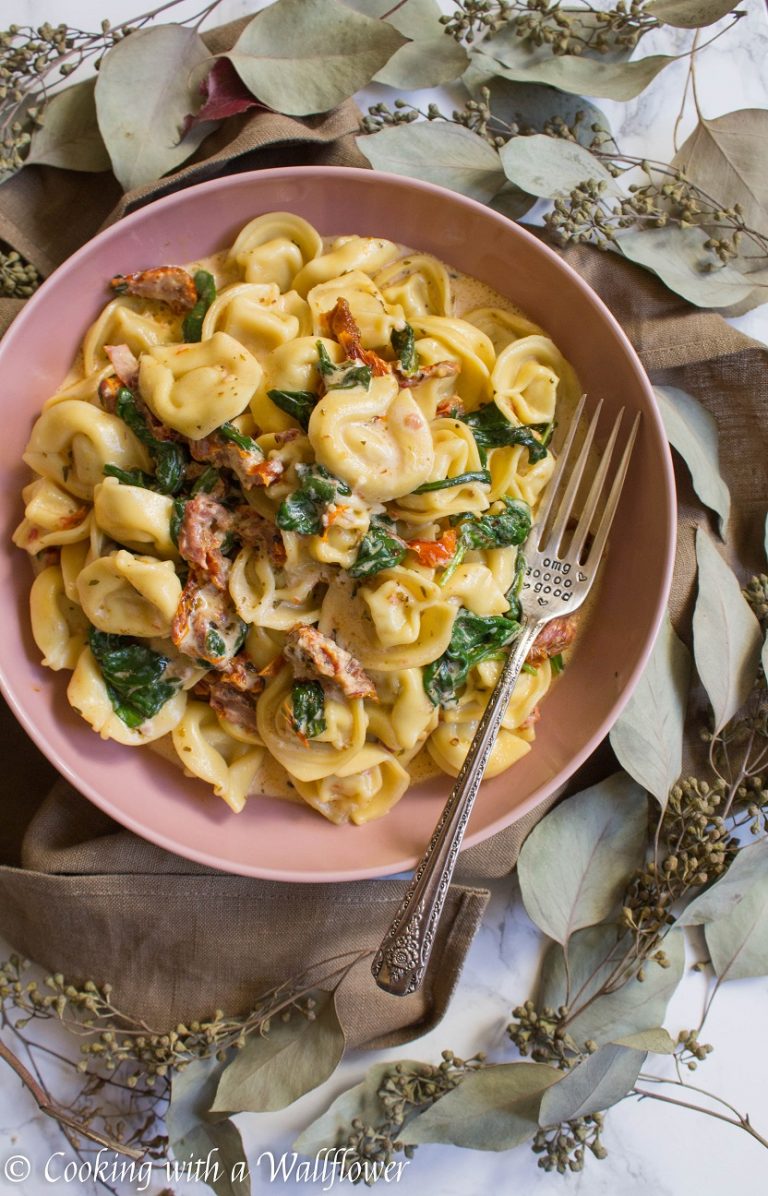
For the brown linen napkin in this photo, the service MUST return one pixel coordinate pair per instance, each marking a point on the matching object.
(83, 896)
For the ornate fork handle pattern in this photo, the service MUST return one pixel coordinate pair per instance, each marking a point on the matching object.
(402, 958)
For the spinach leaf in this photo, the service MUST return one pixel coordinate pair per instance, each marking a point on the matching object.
(478, 532)
(229, 432)
(170, 458)
(133, 675)
(308, 709)
(302, 511)
(299, 404)
(130, 477)
(343, 376)
(379, 549)
(214, 644)
(206, 482)
(513, 593)
(324, 363)
(205, 285)
(461, 479)
(177, 518)
(170, 465)
(557, 663)
(474, 638)
(491, 429)
(403, 342)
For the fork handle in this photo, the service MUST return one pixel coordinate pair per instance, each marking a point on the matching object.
(403, 956)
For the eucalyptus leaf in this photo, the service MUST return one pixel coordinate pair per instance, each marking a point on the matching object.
(495, 1108)
(692, 431)
(193, 1133)
(306, 56)
(274, 1070)
(690, 14)
(749, 868)
(441, 153)
(150, 81)
(532, 106)
(361, 1101)
(69, 137)
(574, 865)
(593, 956)
(738, 942)
(581, 76)
(648, 736)
(511, 202)
(719, 156)
(426, 62)
(726, 635)
(600, 1081)
(430, 58)
(218, 1147)
(679, 258)
(656, 1040)
(550, 166)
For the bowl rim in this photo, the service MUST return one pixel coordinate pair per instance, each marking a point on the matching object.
(665, 481)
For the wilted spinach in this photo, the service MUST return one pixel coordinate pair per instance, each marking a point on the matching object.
(379, 549)
(308, 709)
(133, 675)
(170, 457)
(130, 477)
(403, 342)
(229, 432)
(474, 638)
(343, 376)
(461, 479)
(479, 532)
(299, 404)
(302, 511)
(491, 429)
(205, 285)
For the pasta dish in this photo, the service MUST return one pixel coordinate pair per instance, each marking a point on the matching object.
(279, 515)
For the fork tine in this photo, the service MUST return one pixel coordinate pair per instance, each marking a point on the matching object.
(566, 503)
(601, 535)
(596, 489)
(557, 476)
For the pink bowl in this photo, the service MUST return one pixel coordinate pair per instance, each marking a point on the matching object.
(272, 838)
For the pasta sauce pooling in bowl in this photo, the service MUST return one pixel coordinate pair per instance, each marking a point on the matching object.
(279, 519)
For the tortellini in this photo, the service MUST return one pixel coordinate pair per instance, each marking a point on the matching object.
(376, 440)
(322, 756)
(209, 752)
(72, 442)
(88, 694)
(527, 377)
(59, 626)
(125, 594)
(135, 517)
(195, 388)
(267, 531)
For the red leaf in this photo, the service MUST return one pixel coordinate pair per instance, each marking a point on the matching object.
(224, 94)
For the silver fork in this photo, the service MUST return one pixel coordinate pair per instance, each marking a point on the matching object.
(557, 581)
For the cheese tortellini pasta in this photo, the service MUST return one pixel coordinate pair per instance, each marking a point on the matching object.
(278, 516)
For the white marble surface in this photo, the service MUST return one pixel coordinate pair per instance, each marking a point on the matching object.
(652, 1147)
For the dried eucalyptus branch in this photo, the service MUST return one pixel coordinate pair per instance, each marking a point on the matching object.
(33, 60)
(548, 23)
(126, 1066)
(592, 213)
